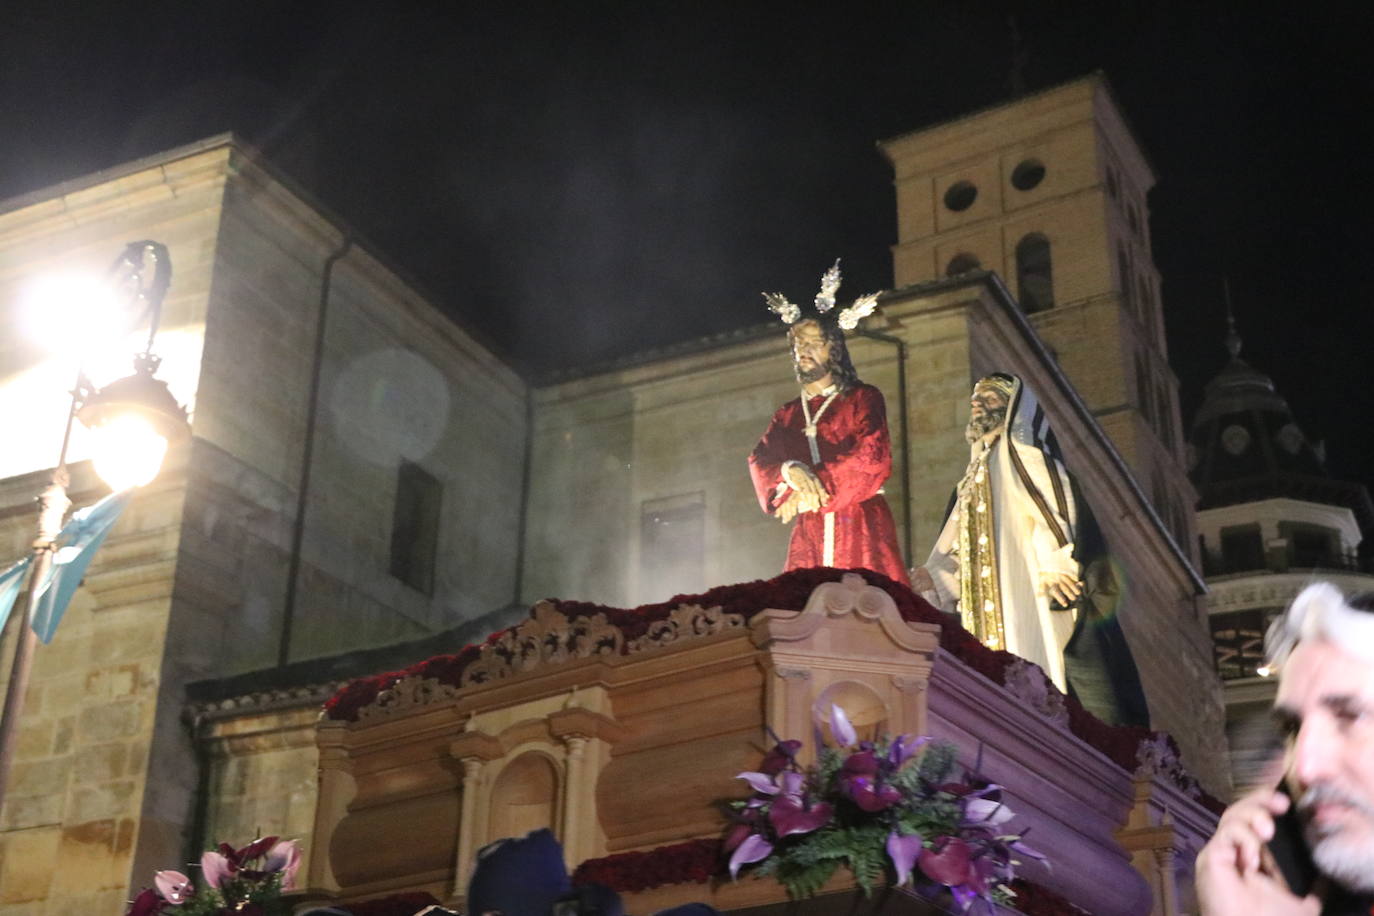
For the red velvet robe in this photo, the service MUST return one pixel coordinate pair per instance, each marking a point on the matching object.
(856, 457)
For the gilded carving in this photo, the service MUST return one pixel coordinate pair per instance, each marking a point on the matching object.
(408, 693)
(1028, 683)
(1158, 760)
(687, 621)
(547, 638)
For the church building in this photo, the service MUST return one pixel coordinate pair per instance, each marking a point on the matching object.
(370, 484)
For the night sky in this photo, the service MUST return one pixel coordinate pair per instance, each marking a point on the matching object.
(579, 181)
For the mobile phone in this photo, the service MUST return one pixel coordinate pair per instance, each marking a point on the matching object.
(1289, 849)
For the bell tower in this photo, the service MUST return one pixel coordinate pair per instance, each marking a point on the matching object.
(1049, 191)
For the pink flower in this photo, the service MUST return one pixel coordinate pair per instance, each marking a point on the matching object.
(174, 887)
(216, 866)
(285, 857)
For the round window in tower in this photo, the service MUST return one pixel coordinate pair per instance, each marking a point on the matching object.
(961, 196)
(1289, 438)
(1235, 439)
(1028, 174)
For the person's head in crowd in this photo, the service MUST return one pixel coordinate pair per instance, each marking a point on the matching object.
(520, 876)
(1323, 651)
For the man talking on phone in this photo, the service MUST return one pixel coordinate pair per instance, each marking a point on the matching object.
(1306, 845)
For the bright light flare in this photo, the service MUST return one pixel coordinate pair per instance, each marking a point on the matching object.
(74, 314)
(128, 452)
(1264, 671)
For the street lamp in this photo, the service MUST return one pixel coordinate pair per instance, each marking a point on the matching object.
(134, 420)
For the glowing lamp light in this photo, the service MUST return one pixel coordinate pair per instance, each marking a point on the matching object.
(74, 314)
(1264, 671)
(128, 452)
(134, 420)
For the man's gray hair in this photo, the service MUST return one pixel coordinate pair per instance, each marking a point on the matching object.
(1321, 611)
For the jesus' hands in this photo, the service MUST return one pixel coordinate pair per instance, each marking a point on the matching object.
(807, 485)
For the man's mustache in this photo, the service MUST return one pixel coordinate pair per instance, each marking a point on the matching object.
(1325, 793)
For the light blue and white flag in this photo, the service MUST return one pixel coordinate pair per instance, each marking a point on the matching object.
(76, 546)
(11, 580)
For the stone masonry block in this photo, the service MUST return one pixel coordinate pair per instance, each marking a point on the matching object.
(39, 810)
(90, 858)
(41, 777)
(110, 800)
(34, 740)
(27, 870)
(109, 722)
(99, 764)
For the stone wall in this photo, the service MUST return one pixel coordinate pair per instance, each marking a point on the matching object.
(193, 581)
(72, 817)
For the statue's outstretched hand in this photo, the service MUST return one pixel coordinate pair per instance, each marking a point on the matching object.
(1061, 586)
(787, 509)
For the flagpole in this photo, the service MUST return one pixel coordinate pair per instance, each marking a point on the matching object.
(52, 508)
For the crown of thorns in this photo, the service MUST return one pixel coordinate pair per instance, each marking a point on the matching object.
(847, 318)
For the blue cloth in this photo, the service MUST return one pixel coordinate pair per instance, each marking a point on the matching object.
(77, 543)
(11, 580)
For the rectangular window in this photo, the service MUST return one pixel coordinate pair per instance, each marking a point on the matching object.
(1242, 550)
(415, 527)
(672, 549)
(1312, 546)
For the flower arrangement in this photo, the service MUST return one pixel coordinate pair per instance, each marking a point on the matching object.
(238, 882)
(885, 806)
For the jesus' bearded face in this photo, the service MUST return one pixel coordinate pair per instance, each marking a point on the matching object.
(987, 413)
(810, 352)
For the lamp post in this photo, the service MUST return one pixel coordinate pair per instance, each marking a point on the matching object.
(134, 419)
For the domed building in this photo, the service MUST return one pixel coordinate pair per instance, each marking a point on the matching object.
(1270, 519)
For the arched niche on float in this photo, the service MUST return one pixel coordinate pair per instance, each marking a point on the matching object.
(525, 796)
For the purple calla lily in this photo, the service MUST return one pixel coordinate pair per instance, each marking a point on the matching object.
(754, 849)
(215, 866)
(839, 727)
(963, 896)
(174, 887)
(762, 783)
(903, 851)
(285, 857)
(985, 811)
(903, 748)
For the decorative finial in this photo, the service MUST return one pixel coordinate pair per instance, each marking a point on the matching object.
(1233, 341)
(830, 283)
